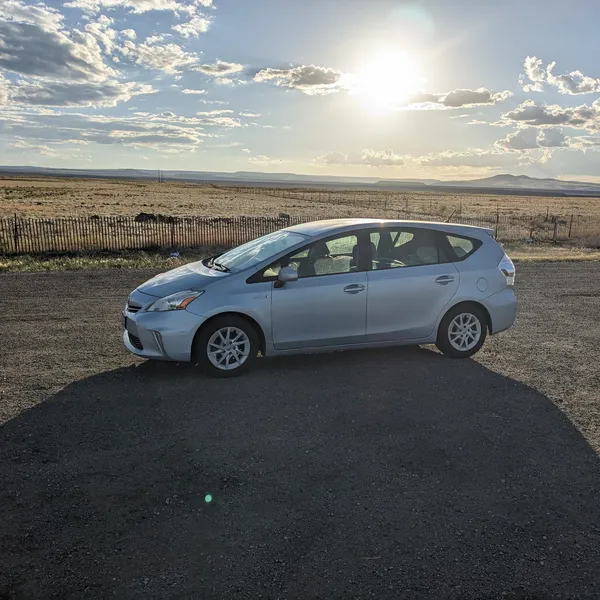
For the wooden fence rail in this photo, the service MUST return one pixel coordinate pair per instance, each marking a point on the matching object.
(155, 232)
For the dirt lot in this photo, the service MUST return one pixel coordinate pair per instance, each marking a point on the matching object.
(377, 474)
(57, 197)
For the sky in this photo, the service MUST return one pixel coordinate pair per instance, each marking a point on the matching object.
(441, 89)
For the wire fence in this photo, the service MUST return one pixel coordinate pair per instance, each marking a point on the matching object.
(158, 232)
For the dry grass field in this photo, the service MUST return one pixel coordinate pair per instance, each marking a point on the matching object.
(55, 197)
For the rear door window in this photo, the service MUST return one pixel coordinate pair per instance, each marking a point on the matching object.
(398, 247)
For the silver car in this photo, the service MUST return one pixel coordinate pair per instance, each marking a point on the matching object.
(327, 285)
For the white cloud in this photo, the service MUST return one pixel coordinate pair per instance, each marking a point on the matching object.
(36, 14)
(246, 150)
(367, 157)
(460, 98)
(197, 92)
(212, 113)
(56, 93)
(529, 138)
(530, 113)
(250, 115)
(139, 129)
(128, 34)
(309, 79)
(220, 68)
(218, 121)
(101, 31)
(264, 160)
(193, 28)
(134, 6)
(574, 83)
(30, 49)
(169, 58)
(213, 102)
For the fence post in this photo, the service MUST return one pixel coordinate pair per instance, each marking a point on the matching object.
(16, 234)
(497, 224)
(570, 225)
(555, 234)
(547, 210)
(173, 233)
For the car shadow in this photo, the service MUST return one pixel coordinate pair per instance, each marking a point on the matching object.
(384, 473)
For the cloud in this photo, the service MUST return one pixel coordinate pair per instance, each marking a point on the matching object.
(213, 102)
(220, 122)
(530, 113)
(246, 150)
(460, 98)
(264, 160)
(135, 6)
(367, 157)
(473, 157)
(139, 129)
(30, 49)
(128, 34)
(169, 58)
(529, 138)
(193, 28)
(534, 72)
(219, 69)
(208, 113)
(198, 92)
(250, 115)
(309, 79)
(574, 83)
(56, 93)
(36, 14)
(101, 31)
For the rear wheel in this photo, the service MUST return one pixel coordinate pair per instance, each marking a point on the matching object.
(226, 346)
(462, 331)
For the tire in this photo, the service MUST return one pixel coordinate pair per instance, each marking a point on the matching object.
(461, 326)
(213, 337)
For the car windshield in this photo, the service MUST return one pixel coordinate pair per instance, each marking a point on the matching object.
(258, 250)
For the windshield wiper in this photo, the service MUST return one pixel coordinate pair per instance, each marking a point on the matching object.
(218, 266)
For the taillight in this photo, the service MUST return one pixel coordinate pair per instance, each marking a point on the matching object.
(508, 270)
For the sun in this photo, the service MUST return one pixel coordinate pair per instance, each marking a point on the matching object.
(387, 80)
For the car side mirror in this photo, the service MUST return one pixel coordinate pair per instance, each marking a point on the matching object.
(286, 274)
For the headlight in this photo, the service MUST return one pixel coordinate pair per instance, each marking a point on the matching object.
(176, 301)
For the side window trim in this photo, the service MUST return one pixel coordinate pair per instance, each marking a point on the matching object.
(358, 233)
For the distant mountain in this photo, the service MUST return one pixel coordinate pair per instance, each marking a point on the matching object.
(503, 183)
(506, 181)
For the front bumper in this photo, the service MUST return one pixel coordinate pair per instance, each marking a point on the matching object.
(165, 335)
(502, 307)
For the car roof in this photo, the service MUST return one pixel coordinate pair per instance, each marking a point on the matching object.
(331, 226)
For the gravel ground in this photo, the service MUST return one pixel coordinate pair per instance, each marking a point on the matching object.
(377, 474)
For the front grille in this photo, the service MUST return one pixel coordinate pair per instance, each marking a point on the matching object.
(132, 308)
(135, 341)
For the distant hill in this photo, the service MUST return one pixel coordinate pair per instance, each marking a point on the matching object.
(504, 183)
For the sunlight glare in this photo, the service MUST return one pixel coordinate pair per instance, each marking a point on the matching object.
(387, 80)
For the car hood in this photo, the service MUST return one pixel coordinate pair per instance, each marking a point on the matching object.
(194, 276)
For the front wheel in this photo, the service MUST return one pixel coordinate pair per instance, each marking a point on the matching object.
(462, 332)
(226, 346)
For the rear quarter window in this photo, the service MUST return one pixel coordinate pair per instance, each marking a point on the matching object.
(462, 247)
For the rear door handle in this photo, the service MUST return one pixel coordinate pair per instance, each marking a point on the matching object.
(354, 288)
(444, 279)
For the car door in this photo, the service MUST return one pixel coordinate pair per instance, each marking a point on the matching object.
(327, 305)
(410, 282)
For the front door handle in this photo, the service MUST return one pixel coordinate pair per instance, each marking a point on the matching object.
(354, 288)
(444, 279)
